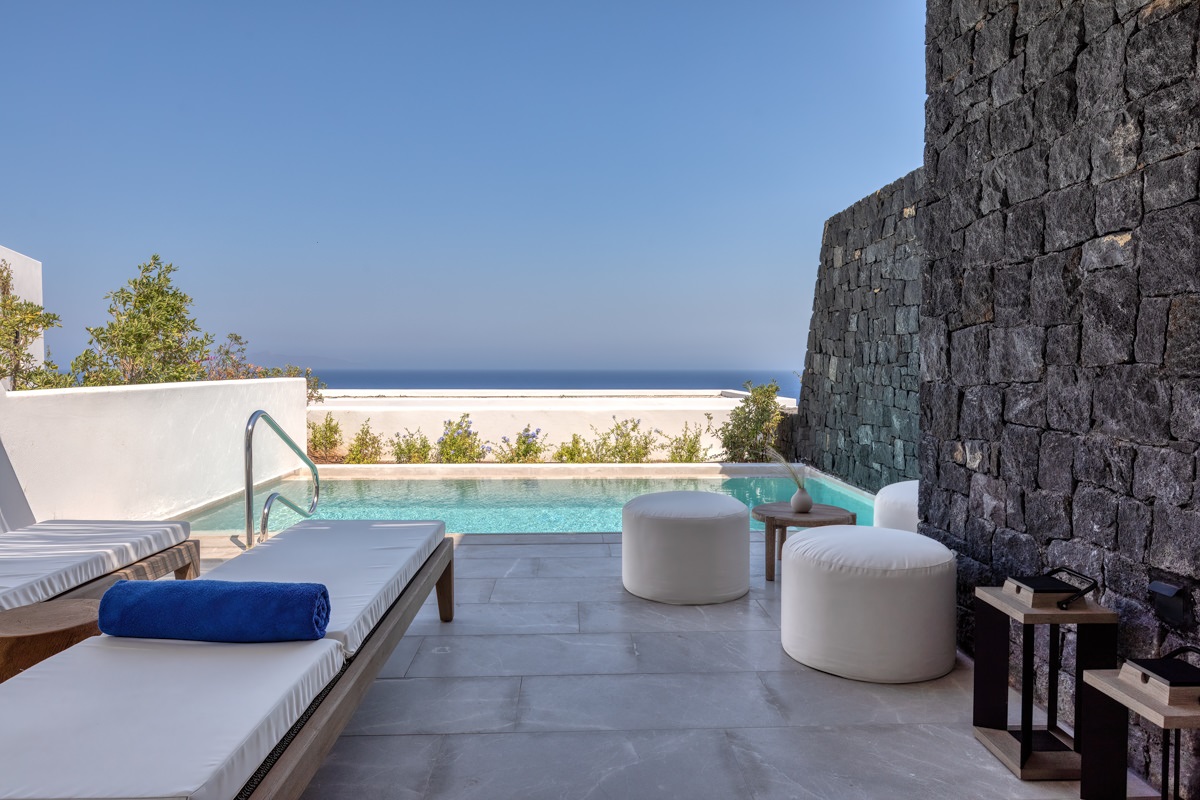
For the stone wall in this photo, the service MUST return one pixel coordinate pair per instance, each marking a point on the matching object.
(859, 399)
(1060, 328)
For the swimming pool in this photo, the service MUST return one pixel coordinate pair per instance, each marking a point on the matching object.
(516, 505)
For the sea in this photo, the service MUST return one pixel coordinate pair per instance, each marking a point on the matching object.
(346, 378)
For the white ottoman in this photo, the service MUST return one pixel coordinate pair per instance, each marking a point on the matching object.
(686, 548)
(872, 604)
(896, 506)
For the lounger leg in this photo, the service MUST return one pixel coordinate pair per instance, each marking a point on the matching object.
(190, 570)
(445, 592)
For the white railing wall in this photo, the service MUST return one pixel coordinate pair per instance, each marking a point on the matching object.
(144, 452)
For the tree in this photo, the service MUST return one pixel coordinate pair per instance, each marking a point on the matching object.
(151, 338)
(21, 323)
(753, 425)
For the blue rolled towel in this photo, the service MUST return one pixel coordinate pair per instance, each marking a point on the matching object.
(215, 611)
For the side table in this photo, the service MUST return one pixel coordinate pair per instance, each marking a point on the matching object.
(778, 517)
(1034, 754)
(33, 633)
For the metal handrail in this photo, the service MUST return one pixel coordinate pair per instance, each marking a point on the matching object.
(251, 539)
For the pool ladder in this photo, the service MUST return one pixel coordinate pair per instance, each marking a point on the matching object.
(251, 539)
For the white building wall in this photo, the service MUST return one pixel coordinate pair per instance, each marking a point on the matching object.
(27, 284)
(144, 452)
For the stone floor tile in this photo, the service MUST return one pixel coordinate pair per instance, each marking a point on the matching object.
(468, 590)
(437, 705)
(645, 702)
(400, 659)
(531, 551)
(665, 765)
(613, 617)
(470, 568)
(711, 651)
(483, 618)
(577, 567)
(546, 590)
(533, 538)
(376, 768)
(525, 654)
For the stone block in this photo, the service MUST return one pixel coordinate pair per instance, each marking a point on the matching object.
(1185, 410)
(1011, 127)
(1182, 356)
(1008, 80)
(1116, 138)
(1125, 575)
(1164, 473)
(1015, 553)
(1151, 340)
(1062, 345)
(1112, 250)
(1110, 305)
(1104, 461)
(942, 292)
(1133, 402)
(988, 499)
(1173, 541)
(1160, 54)
(1171, 182)
(1011, 295)
(1098, 17)
(981, 415)
(1070, 217)
(1032, 13)
(1024, 173)
(1119, 204)
(1094, 516)
(939, 409)
(1171, 121)
(1070, 159)
(1068, 400)
(970, 355)
(1019, 451)
(1169, 250)
(1051, 46)
(1017, 354)
(1023, 232)
(1100, 73)
(984, 242)
(1055, 107)
(1025, 404)
(1056, 460)
(1014, 512)
(1077, 555)
(934, 350)
(977, 299)
(1047, 516)
(1134, 521)
(955, 478)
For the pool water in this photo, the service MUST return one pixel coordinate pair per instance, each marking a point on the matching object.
(559, 505)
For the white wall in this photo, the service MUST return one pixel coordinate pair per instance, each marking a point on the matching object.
(144, 452)
(27, 284)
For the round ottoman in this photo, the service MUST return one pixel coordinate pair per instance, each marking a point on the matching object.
(872, 604)
(686, 548)
(896, 506)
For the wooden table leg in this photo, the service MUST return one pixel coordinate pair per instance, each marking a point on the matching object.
(770, 548)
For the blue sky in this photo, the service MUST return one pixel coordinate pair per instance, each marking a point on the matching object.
(612, 185)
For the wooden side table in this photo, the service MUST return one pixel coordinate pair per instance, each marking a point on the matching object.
(778, 517)
(1034, 754)
(33, 633)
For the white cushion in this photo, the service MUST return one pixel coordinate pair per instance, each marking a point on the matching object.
(869, 603)
(40, 561)
(686, 547)
(147, 718)
(896, 506)
(365, 565)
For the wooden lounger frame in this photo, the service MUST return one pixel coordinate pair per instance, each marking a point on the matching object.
(290, 767)
(183, 559)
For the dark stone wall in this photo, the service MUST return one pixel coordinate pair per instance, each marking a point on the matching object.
(859, 398)
(1060, 327)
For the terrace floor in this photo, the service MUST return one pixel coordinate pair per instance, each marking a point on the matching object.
(553, 682)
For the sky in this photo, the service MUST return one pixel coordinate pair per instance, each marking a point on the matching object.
(458, 184)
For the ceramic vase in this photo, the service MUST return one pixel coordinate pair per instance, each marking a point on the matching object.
(801, 501)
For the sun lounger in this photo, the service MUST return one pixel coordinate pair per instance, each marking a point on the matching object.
(80, 558)
(144, 718)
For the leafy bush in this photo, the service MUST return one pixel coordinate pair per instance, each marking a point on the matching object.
(366, 447)
(685, 448)
(625, 443)
(753, 425)
(324, 439)
(576, 451)
(411, 448)
(21, 323)
(459, 444)
(527, 448)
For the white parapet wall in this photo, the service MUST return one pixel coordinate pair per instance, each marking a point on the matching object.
(27, 285)
(145, 452)
(505, 412)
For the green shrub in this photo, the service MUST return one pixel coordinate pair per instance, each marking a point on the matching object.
(411, 448)
(685, 448)
(576, 451)
(527, 448)
(624, 443)
(753, 425)
(324, 439)
(366, 447)
(461, 445)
